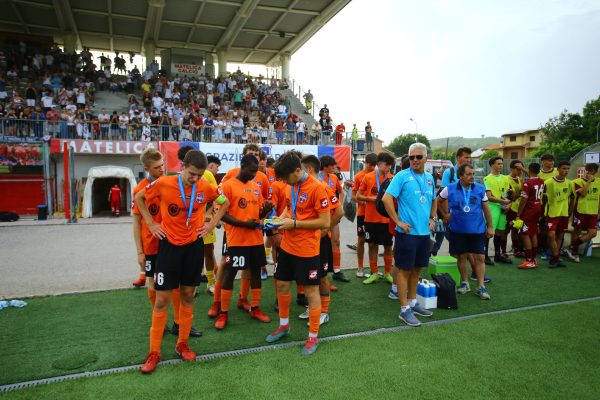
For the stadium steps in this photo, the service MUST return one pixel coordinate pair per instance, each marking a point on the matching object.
(298, 108)
(111, 101)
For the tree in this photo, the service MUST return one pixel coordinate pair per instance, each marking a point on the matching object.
(489, 154)
(399, 146)
(562, 150)
(568, 133)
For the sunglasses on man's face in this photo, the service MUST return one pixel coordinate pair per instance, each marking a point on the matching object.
(418, 157)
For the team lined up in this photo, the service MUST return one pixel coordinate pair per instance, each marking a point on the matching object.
(296, 206)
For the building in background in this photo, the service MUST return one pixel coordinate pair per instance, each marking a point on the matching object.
(521, 143)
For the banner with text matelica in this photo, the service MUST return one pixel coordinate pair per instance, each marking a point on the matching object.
(231, 154)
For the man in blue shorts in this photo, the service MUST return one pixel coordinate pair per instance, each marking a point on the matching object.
(417, 207)
(463, 206)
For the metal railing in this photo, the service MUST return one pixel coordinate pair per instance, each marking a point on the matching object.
(91, 130)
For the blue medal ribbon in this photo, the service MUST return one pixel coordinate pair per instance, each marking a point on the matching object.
(321, 177)
(296, 194)
(191, 207)
(466, 196)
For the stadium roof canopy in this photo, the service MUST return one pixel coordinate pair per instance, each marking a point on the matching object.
(250, 31)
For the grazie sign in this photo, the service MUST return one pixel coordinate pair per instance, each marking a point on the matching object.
(109, 147)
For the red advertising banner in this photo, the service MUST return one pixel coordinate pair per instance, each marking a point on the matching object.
(101, 146)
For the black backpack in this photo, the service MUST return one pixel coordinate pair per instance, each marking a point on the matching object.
(8, 216)
(379, 206)
(446, 291)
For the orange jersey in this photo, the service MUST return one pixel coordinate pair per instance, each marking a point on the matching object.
(149, 242)
(271, 177)
(334, 202)
(260, 178)
(331, 180)
(355, 187)
(278, 189)
(173, 211)
(245, 202)
(368, 187)
(312, 200)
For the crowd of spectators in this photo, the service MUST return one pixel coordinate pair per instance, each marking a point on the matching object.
(46, 92)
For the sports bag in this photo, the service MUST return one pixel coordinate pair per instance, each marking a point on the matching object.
(446, 291)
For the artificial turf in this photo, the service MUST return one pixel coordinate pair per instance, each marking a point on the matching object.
(548, 353)
(81, 332)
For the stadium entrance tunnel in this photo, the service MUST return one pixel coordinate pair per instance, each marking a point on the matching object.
(97, 187)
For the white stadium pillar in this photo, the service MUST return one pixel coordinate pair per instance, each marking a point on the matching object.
(209, 65)
(285, 66)
(149, 52)
(222, 57)
(69, 40)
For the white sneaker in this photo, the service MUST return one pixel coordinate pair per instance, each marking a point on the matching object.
(210, 289)
(572, 256)
(304, 315)
(360, 273)
(323, 320)
(393, 295)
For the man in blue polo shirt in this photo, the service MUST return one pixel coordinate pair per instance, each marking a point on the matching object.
(414, 219)
(463, 206)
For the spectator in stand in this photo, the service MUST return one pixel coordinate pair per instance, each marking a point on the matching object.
(209, 123)
(300, 128)
(114, 125)
(315, 133)
(354, 136)
(165, 126)
(369, 136)
(339, 133)
(238, 129)
(290, 127)
(308, 101)
(218, 129)
(326, 125)
(123, 126)
(104, 120)
(31, 95)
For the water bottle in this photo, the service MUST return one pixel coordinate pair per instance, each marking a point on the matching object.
(420, 289)
(433, 289)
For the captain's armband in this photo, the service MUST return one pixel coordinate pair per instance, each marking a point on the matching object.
(220, 200)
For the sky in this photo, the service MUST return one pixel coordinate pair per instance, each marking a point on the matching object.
(457, 68)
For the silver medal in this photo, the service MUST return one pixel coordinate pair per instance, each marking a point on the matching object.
(422, 199)
(467, 209)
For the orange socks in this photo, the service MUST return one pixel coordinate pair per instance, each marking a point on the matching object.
(284, 301)
(337, 256)
(275, 284)
(217, 295)
(325, 302)
(255, 297)
(373, 266)
(244, 289)
(360, 261)
(388, 264)
(225, 299)
(176, 299)
(185, 323)
(159, 320)
(152, 296)
(314, 320)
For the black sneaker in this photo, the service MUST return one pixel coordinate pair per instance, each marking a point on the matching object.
(488, 261)
(351, 246)
(301, 300)
(193, 332)
(339, 276)
(203, 278)
(502, 259)
(558, 264)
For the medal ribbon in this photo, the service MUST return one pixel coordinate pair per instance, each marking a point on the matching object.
(419, 182)
(191, 207)
(296, 194)
(466, 195)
